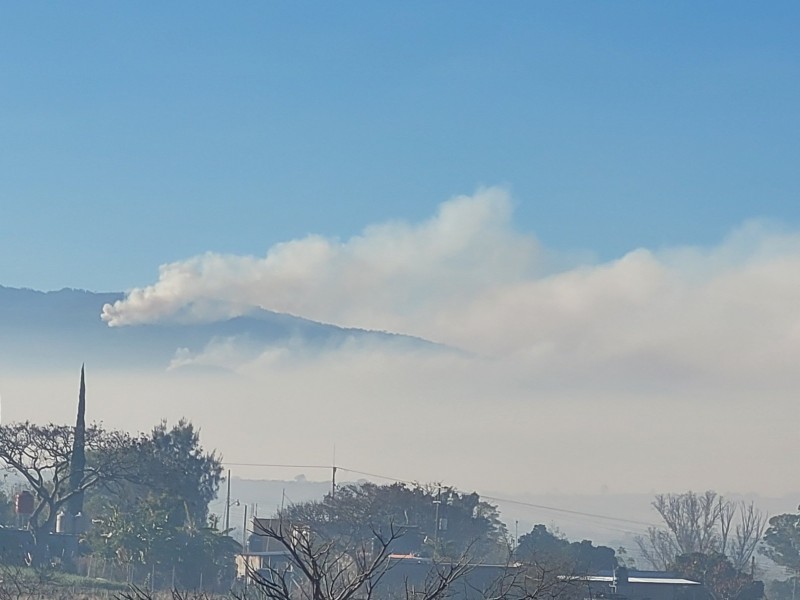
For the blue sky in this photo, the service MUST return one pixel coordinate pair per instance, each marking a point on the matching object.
(595, 202)
(142, 133)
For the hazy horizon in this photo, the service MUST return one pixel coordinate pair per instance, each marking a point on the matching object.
(648, 372)
(587, 211)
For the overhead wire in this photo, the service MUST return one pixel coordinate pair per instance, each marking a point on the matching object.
(563, 511)
(555, 509)
(237, 464)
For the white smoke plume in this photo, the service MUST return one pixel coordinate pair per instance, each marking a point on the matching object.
(380, 279)
(467, 278)
(577, 373)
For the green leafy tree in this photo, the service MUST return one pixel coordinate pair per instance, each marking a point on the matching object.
(782, 546)
(204, 556)
(437, 521)
(544, 547)
(179, 472)
(159, 517)
(719, 576)
(782, 541)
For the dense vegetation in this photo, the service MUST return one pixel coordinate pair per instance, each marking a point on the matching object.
(148, 498)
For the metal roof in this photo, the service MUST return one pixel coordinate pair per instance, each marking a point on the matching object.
(661, 580)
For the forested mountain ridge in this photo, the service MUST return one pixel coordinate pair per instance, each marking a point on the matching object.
(52, 328)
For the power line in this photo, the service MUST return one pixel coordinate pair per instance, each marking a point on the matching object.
(386, 477)
(509, 501)
(571, 512)
(493, 498)
(234, 464)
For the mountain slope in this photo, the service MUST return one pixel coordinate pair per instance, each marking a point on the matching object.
(63, 328)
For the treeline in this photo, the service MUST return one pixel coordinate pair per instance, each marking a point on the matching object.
(143, 517)
(142, 512)
(703, 537)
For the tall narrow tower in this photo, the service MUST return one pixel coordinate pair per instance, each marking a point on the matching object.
(78, 463)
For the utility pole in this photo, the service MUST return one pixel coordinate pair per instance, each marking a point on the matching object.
(436, 502)
(244, 530)
(228, 505)
(333, 474)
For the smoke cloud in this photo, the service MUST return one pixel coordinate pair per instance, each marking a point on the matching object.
(556, 372)
(468, 279)
(386, 278)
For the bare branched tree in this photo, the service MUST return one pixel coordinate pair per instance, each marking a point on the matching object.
(727, 513)
(440, 580)
(535, 581)
(306, 565)
(41, 455)
(314, 568)
(17, 583)
(747, 535)
(658, 548)
(693, 520)
(702, 524)
(135, 592)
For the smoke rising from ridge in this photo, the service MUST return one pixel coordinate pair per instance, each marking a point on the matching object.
(655, 360)
(468, 279)
(375, 280)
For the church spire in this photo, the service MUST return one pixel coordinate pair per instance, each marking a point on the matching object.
(78, 462)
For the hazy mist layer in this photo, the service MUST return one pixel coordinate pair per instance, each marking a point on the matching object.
(664, 370)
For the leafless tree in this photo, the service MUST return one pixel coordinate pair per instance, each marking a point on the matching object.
(439, 582)
(693, 519)
(747, 535)
(135, 592)
(41, 455)
(702, 523)
(314, 568)
(535, 581)
(345, 568)
(17, 583)
(727, 515)
(658, 548)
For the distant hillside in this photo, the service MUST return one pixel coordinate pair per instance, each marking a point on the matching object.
(54, 329)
